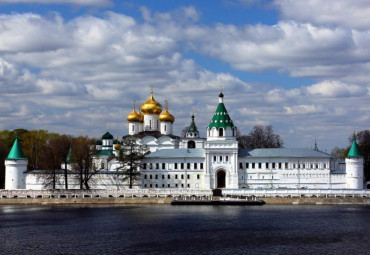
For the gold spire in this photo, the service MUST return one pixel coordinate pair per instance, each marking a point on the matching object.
(165, 116)
(151, 106)
(134, 116)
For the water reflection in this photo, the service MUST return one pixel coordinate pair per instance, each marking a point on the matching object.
(166, 229)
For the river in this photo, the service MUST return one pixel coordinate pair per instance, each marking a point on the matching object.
(165, 229)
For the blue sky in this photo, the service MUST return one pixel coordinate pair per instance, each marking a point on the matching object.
(300, 66)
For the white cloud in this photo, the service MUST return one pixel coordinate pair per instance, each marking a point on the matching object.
(340, 13)
(336, 89)
(74, 2)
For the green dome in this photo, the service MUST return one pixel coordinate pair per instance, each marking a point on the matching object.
(16, 152)
(192, 128)
(107, 136)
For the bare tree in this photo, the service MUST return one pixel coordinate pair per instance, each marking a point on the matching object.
(260, 137)
(130, 160)
(82, 156)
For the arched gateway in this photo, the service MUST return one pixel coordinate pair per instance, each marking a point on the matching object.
(221, 179)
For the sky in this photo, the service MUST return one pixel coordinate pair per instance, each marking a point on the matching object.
(302, 66)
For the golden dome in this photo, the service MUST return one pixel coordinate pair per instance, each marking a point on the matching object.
(134, 116)
(165, 116)
(151, 106)
(117, 146)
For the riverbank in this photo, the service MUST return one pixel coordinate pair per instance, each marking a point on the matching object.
(168, 200)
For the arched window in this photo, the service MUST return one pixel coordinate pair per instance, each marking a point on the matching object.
(150, 124)
(221, 132)
(165, 128)
(133, 128)
(191, 144)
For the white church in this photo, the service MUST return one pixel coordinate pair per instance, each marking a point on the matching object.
(193, 162)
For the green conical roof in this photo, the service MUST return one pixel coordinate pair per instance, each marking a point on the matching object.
(69, 156)
(192, 128)
(221, 118)
(354, 152)
(16, 152)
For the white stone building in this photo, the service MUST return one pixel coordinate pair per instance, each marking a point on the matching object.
(193, 162)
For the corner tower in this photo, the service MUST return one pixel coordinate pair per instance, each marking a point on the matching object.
(354, 167)
(15, 166)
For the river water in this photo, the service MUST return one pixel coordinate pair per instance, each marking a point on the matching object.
(166, 229)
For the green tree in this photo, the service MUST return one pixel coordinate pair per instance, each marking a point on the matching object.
(340, 152)
(130, 159)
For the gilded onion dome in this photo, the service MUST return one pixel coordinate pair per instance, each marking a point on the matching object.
(165, 116)
(151, 106)
(141, 115)
(134, 116)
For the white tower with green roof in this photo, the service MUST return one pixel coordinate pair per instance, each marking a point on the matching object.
(354, 167)
(221, 150)
(15, 166)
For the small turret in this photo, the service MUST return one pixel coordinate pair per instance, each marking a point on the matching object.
(354, 167)
(15, 166)
(192, 131)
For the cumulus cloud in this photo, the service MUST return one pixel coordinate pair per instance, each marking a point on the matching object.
(74, 2)
(338, 13)
(336, 89)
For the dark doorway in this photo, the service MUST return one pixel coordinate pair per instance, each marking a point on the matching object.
(221, 132)
(191, 145)
(221, 177)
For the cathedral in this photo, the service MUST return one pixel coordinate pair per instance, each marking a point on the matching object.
(194, 162)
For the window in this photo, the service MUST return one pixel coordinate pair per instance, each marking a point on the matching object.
(150, 176)
(214, 158)
(175, 165)
(151, 185)
(168, 177)
(317, 165)
(324, 165)
(157, 124)
(182, 176)
(221, 132)
(150, 166)
(144, 166)
(286, 165)
(253, 165)
(168, 185)
(156, 165)
(201, 165)
(191, 144)
(182, 165)
(156, 176)
(267, 165)
(198, 176)
(156, 185)
(241, 165)
(102, 165)
(280, 165)
(175, 176)
(133, 128)
(188, 185)
(145, 176)
(227, 158)
(162, 176)
(195, 166)
(162, 185)
(260, 165)
(273, 165)
(220, 158)
(188, 176)
(150, 124)
(163, 165)
(145, 185)
(176, 185)
(165, 128)
(182, 185)
(246, 165)
(188, 165)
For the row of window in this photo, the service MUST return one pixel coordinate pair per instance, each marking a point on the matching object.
(164, 185)
(163, 176)
(176, 165)
(221, 158)
(279, 165)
